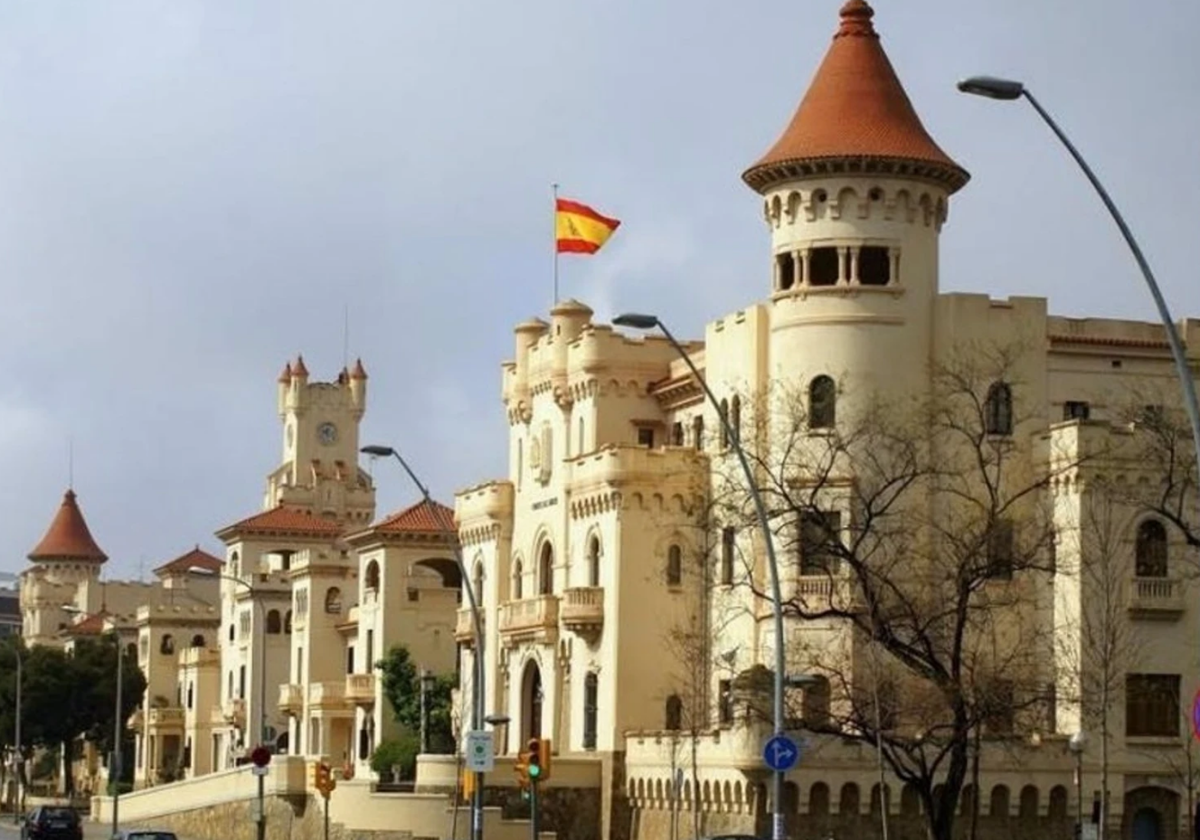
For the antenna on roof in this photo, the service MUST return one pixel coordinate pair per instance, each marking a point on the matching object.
(70, 463)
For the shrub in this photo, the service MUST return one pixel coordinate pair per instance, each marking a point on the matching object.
(400, 752)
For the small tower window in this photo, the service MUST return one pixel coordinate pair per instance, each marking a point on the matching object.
(735, 419)
(998, 418)
(823, 266)
(1150, 549)
(674, 566)
(822, 403)
(874, 266)
(785, 267)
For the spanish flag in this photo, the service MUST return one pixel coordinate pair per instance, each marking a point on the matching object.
(579, 229)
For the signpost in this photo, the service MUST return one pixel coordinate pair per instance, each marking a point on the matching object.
(481, 757)
(260, 757)
(781, 753)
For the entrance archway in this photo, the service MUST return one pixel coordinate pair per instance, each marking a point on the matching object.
(531, 702)
(1147, 825)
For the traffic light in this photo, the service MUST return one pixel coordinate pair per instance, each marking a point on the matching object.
(539, 759)
(521, 770)
(323, 779)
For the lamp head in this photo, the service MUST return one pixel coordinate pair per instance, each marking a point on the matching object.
(378, 451)
(636, 320)
(992, 88)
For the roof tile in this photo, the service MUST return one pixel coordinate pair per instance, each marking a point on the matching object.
(197, 558)
(423, 517)
(284, 520)
(68, 537)
(855, 109)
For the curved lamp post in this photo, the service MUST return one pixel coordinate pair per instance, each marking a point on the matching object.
(1077, 743)
(477, 693)
(649, 322)
(1008, 89)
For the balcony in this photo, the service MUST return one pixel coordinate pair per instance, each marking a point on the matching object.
(360, 689)
(166, 718)
(464, 626)
(531, 618)
(327, 695)
(583, 611)
(1156, 599)
(291, 699)
(231, 711)
(825, 592)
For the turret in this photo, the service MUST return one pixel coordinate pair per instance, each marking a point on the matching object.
(567, 320)
(855, 192)
(285, 382)
(527, 334)
(358, 388)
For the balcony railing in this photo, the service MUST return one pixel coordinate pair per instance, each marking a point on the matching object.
(360, 688)
(291, 698)
(822, 592)
(327, 695)
(169, 717)
(530, 616)
(582, 610)
(1156, 598)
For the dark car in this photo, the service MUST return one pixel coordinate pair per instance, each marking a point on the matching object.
(50, 823)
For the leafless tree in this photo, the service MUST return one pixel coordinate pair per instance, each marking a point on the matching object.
(919, 529)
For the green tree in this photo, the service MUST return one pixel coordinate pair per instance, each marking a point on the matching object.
(402, 687)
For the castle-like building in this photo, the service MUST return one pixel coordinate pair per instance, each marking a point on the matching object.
(613, 540)
(623, 581)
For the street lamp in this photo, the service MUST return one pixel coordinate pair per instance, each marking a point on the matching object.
(1076, 744)
(648, 322)
(18, 764)
(261, 831)
(1008, 89)
(427, 679)
(477, 692)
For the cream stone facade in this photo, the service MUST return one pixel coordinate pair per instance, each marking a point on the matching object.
(586, 553)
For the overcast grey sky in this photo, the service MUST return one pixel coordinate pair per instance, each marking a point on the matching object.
(190, 192)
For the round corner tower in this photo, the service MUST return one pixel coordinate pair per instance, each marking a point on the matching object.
(855, 192)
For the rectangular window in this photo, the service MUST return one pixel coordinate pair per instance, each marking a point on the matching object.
(370, 663)
(591, 700)
(999, 710)
(1000, 550)
(242, 682)
(645, 437)
(1051, 707)
(1152, 705)
(1076, 410)
(820, 536)
(728, 542)
(350, 659)
(414, 594)
(300, 665)
(874, 266)
(677, 434)
(698, 432)
(823, 266)
(725, 702)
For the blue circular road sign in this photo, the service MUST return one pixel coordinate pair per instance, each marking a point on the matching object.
(781, 753)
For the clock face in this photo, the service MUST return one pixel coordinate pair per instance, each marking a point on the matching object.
(327, 433)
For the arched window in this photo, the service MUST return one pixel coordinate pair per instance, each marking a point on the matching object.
(287, 622)
(822, 403)
(191, 694)
(546, 570)
(1151, 549)
(231, 631)
(167, 645)
(197, 641)
(477, 582)
(997, 409)
(674, 566)
(233, 564)
(674, 714)
(735, 418)
(594, 561)
(274, 623)
(333, 601)
(518, 581)
(724, 424)
(372, 580)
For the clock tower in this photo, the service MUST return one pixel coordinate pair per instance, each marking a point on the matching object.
(319, 472)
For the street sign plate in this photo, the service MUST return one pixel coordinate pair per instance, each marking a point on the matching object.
(481, 756)
(255, 770)
(781, 753)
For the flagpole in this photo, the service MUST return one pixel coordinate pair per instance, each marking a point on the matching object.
(554, 240)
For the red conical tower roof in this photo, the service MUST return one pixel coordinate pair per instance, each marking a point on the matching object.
(855, 117)
(68, 537)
